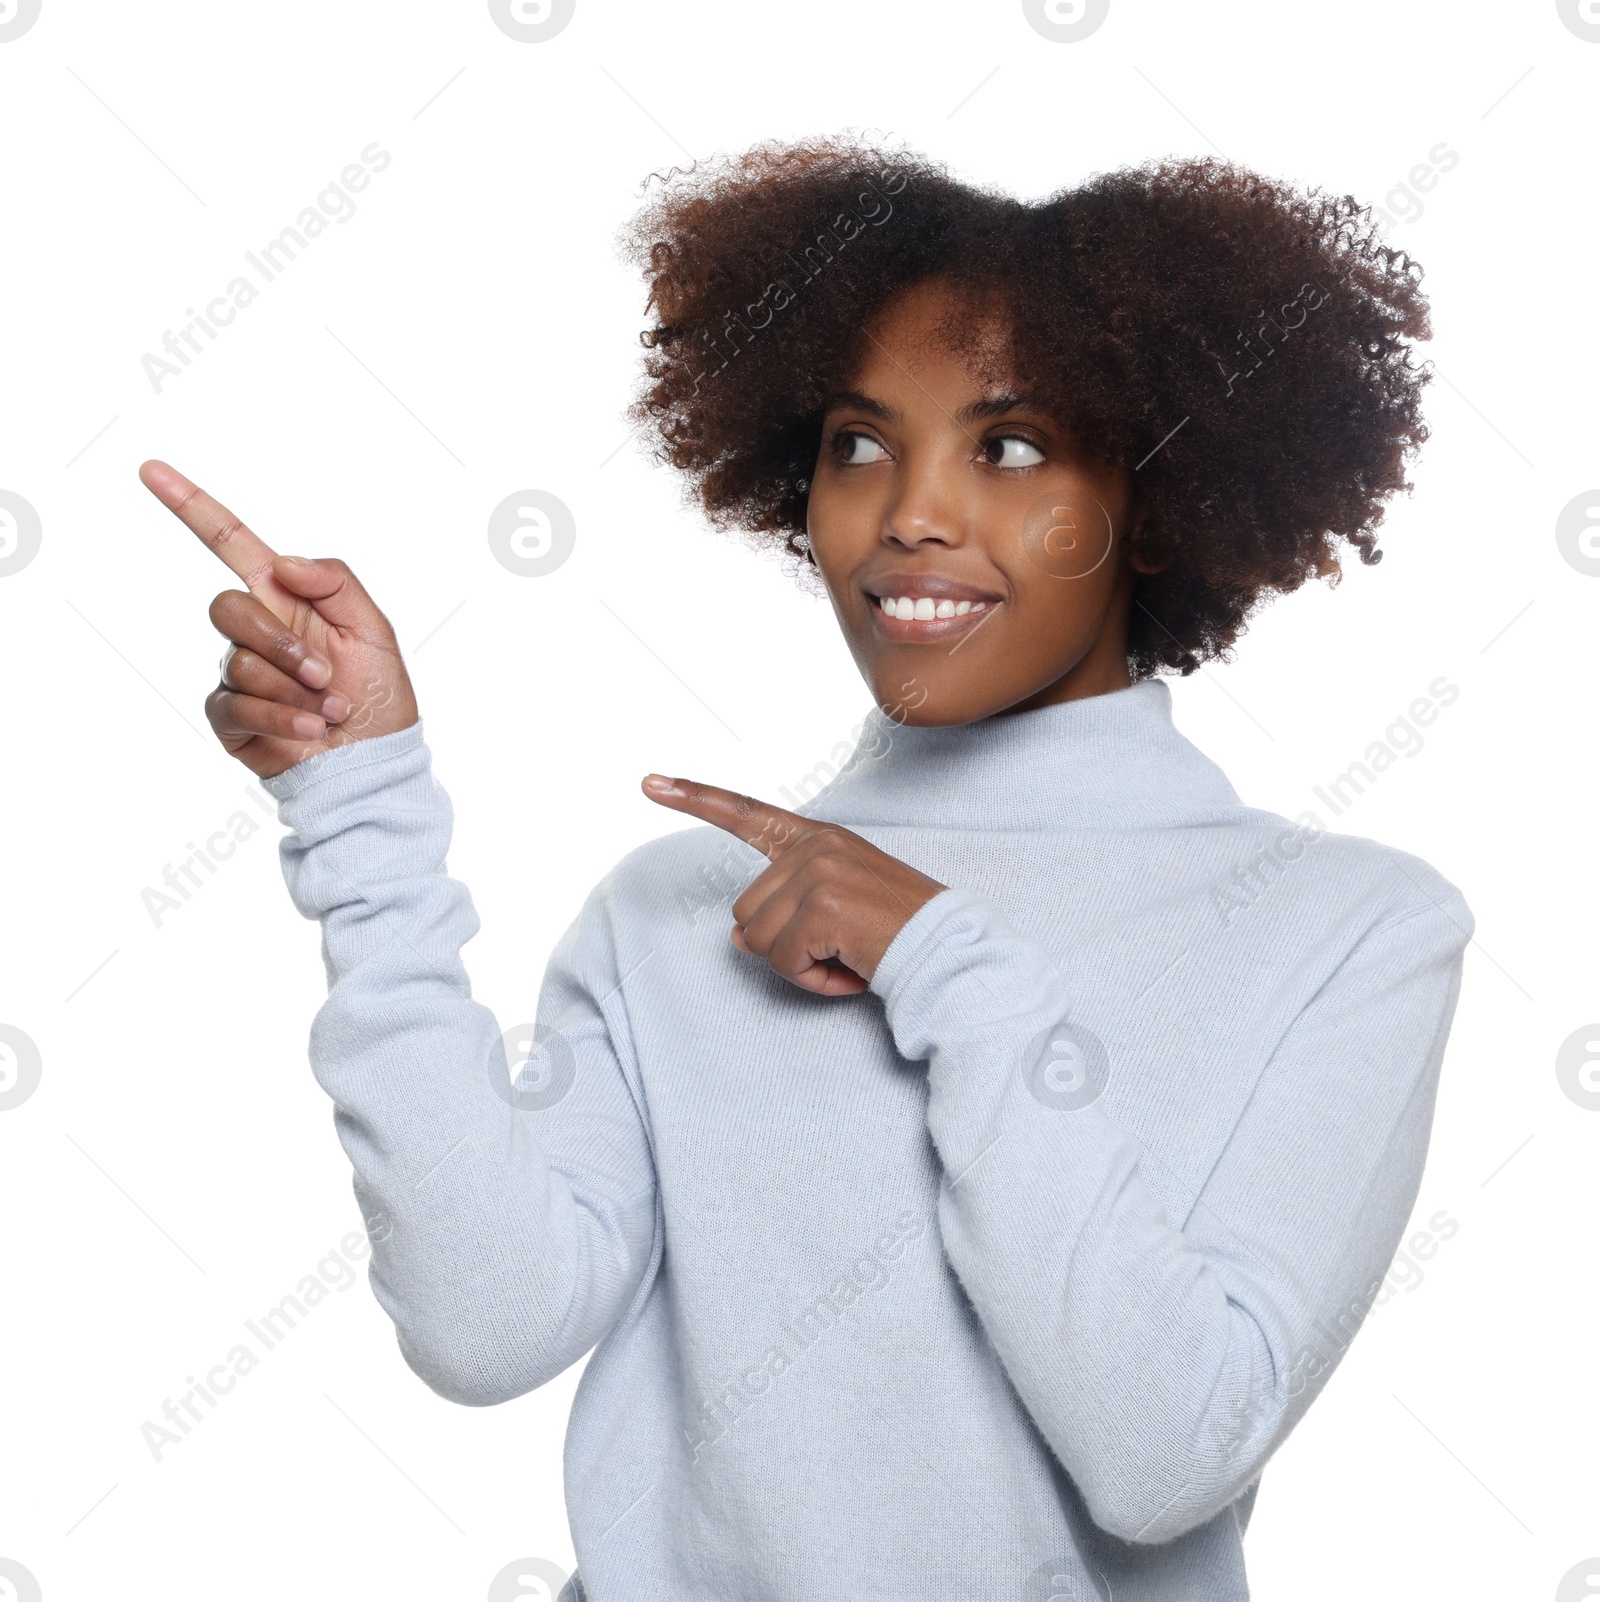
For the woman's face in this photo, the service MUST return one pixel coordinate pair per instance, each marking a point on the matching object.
(977, 515)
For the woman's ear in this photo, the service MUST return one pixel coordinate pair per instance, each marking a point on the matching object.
(1145, 561)
(1142, 563)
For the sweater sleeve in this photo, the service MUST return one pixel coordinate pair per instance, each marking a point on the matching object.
(1165, 1358)
(510, 1223)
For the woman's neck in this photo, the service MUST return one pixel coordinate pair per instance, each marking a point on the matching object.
(1092, 761)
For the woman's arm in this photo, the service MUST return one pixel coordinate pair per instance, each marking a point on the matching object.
(1165, 1358)
(509, 1229)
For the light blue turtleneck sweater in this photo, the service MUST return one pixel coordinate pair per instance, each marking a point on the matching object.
(1000, 1281)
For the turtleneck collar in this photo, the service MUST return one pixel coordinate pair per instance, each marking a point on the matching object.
(1104, 761)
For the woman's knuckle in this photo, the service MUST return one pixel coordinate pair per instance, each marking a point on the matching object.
(231, 527)
(826, 901)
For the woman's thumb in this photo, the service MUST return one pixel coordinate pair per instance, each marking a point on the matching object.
(335, 590)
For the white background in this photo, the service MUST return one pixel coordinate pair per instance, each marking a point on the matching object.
(471, 332)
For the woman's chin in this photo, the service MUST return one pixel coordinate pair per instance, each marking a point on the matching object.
(919, 706)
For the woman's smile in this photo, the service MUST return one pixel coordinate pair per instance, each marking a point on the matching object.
(919, 608)
(922, 622)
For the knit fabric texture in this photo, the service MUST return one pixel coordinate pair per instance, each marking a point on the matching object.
(1000, 1281)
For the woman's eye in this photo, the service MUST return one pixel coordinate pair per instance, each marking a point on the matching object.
(995, 450)
(849, 444)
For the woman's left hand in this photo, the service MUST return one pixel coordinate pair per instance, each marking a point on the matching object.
(827, 909)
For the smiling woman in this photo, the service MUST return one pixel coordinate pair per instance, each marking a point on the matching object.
(923, 517)
(1153, 317)
(1141, 1169)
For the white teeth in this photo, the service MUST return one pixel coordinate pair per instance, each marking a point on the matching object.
(923, 607)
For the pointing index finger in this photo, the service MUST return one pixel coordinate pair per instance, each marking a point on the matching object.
(770, 829)
(228, 538)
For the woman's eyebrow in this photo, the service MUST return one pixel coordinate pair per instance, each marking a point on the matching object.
(854, 400)
(998, 406)
(976, 412)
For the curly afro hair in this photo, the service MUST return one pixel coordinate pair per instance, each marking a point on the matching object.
(1238, 345)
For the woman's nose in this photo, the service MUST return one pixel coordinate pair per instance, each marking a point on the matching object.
(926, 508)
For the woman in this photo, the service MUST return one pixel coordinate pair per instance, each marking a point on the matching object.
(1006, 1279)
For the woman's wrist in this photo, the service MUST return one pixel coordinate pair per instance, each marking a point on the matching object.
(343, 762)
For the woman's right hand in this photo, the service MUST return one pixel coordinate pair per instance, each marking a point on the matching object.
(312, 663)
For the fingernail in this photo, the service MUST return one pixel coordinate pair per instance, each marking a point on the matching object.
(315, 672)
(661, 784)
(306, 726)
(295, 561)
(335, 708)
